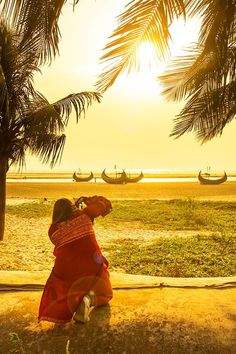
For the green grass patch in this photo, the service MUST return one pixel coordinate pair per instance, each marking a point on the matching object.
(173, 215)
(31, 210)
(176, 257)
(208, 256)
(152, 214)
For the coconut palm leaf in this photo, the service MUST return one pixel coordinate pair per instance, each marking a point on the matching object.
(3, 90)
(16, 66)
(206, 78)
(49, 147)
(52, 118)
(17, 155)
(143, 20)
(26, 115)
(7, 66)
(207, 114)
(79, 101)
(187, 74)
(44, 118)
(207, 86)
(41, 133)
(179, 74)
(41, 128)
(217, 20)
(36, 18)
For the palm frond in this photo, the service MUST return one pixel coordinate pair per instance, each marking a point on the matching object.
(39, 133)
(36, 19)
(143, 20)
(75, 2)
(49, 147)
(7, 68)
(198, 70)
(40, 20)
(179, 74)
(41, 129)
(195, 7)
(208, 81)
(79, 101)
(207, 114)
(45, 119)
(17, 156)
(3, 91)
(218, 17)
(40, 116)
(17, 67)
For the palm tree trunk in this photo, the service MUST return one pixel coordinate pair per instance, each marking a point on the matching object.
(3, 174)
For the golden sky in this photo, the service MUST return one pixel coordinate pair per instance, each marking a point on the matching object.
(131, 126)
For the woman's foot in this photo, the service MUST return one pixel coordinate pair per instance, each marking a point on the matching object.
(82, 312)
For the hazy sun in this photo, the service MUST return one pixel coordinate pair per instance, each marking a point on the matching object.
(144, 79)
(146, 56)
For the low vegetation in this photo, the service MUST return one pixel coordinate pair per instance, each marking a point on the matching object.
(209, 252)
(176, 257)
(152, 214)
(174, 215)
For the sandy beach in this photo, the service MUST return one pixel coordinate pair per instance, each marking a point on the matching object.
(161, 190)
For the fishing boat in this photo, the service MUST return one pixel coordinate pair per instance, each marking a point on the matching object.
(82, 179)
(134, 179)
(119, 179)
(208, 179)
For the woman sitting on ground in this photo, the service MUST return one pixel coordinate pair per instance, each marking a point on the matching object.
(79, 278)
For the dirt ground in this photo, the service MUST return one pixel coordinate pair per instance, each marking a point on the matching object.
(138, 321)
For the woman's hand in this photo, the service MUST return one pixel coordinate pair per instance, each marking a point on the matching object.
(96, 205)
(79, 201)
(86, 200)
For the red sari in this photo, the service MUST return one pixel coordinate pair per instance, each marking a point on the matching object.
(79, 267)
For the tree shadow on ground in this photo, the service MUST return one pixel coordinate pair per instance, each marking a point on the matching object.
(20, 333)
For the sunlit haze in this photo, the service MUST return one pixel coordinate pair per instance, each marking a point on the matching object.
(131, 126)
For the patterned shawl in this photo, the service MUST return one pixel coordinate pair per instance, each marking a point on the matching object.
(71, 230)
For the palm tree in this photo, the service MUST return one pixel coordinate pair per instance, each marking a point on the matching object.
(205, 77)
(28, 122)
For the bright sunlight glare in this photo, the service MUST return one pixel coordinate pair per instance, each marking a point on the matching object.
(146, 56)
(143, 79)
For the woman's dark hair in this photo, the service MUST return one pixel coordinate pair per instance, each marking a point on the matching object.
(63, 210)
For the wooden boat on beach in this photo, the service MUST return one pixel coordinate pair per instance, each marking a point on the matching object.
(134, 179)
(82, 179)
(121, 179)
(208, 179)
